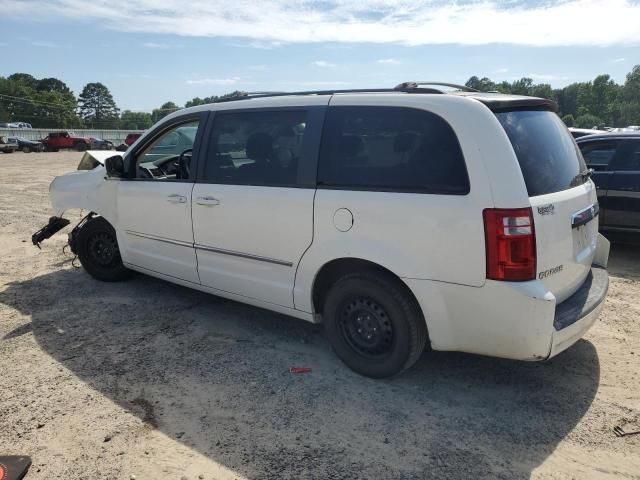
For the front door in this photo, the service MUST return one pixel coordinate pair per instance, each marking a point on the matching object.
(154, 208)
(253, 208)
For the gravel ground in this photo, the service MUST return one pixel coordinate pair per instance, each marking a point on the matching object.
(149, 380)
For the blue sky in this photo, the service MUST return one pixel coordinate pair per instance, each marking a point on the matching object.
(151, 51)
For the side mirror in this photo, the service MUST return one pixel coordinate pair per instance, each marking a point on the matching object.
(114, 166)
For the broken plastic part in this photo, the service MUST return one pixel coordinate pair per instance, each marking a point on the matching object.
(54, 226)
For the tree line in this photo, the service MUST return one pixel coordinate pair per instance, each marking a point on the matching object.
(50, 103)
(600, 102)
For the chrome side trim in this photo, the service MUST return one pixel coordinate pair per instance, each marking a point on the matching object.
(160, 239)
(211, 249)
(243, 255)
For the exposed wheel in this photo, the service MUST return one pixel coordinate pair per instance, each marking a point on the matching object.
(374, 325)
(97, 248)
(26, 149)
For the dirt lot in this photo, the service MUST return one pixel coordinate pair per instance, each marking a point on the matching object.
(148, 379)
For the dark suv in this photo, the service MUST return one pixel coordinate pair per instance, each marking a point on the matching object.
(615, 159)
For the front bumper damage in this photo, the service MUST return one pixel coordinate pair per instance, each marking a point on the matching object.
(49, 230)
(55, 225)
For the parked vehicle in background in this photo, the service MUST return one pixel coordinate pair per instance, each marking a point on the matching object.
(130, 140)
(7, 146)
(615, 160)
(464, 221)
(57, 140)
(100, 144)
(581, 132)
(27, 145)
(15, 125)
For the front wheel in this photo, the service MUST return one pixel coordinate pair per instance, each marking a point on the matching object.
(374, 324)
(26, 150)
(97, 247)
(81, 147)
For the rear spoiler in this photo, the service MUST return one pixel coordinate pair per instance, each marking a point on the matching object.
(501, 103)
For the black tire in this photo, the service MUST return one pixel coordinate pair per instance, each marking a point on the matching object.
(374, 324)
(80, 147)
(97, 248)
(26, 150)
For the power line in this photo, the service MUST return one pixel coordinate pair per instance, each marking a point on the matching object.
(11, 98)
(29, 100)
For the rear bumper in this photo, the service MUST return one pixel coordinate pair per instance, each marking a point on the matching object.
(577, 314)
(516, 320)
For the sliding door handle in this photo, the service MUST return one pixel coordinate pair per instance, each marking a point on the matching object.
(176, 198)
(207, 201)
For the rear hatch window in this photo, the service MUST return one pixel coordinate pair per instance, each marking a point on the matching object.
(549, 157)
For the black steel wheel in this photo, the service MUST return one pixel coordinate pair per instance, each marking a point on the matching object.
(97, 247)
(366, 326)
(374, 323)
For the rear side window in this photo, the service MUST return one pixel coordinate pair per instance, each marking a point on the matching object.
(598, 155)
(548, 155)
(391, 149)
(629, 157)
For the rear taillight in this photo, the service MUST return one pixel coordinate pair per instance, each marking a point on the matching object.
(510, 243)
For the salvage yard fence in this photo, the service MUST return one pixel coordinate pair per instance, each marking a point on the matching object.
(115, 136)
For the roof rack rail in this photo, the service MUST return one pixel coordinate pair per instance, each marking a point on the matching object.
(406, 87)
(248, 95)
(416, 84)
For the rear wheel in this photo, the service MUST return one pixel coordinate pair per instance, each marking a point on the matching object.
(97, 248)
(26, 149)
(374, 325)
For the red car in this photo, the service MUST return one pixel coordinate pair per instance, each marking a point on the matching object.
(132, 137)
(57, 140)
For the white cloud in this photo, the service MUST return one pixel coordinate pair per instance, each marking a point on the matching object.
(214, 81)
(258, 44)
(156, 45)
(388, 61)
(417, 22)
(323, 64)
(45, 44)
(502, 70)
(618, 60)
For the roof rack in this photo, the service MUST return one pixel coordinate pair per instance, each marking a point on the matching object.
(248, 95)
(416, 85)
(406, 87)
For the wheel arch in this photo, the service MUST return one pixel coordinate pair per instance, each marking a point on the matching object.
(336, 268)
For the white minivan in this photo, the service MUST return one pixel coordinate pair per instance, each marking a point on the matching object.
(398, 218)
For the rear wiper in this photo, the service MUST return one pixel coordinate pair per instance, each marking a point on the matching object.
(582, 177)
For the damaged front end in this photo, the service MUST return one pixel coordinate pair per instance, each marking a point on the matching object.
(86, 189)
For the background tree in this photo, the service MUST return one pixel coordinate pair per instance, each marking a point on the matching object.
(164, 110)
(214, 98)
(97, 107)
(568, 120)
(135, 120)
(588, 121)
(630, 98)
(42, 103)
